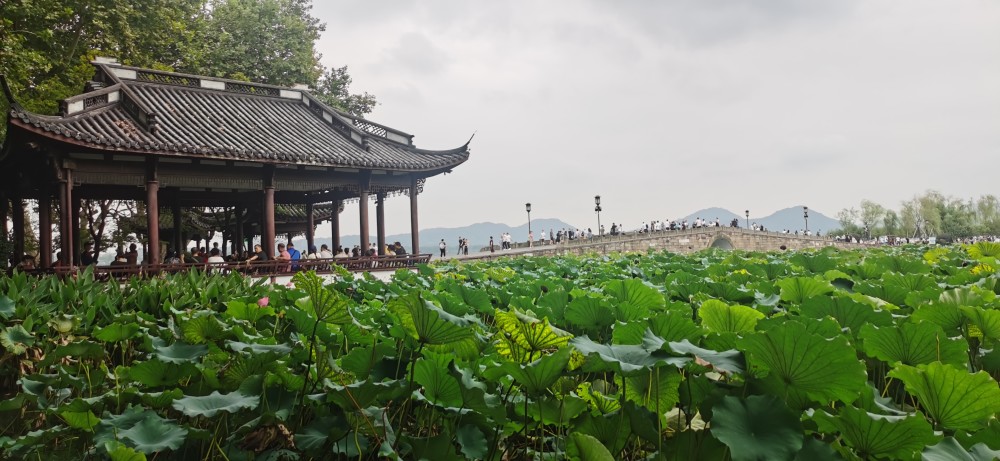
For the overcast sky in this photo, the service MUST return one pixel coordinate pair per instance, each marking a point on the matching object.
(667, 107)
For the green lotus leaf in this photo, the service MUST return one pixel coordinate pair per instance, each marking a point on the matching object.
(988, 320)
(613, 430)
(949, 317)
(472, 442)
(153, 434)
(209, 405)
(670, 325)
(815, 450)
(203, 329)
(439, 447)
(798, 289)
(730, 290)
(16, 339)
(591, 313)
(633, 299)
(439, 386)
(902, 264)
(116, 332)
(911, 282)
(950, 450)
(847, 312)
(816, 263)
(961, 296)
(79, 415)
(720, 317)
(428, 323)
(475, 298)
(793, 363)
(913, 344)
(583, 447)
(254, 348)
(760, 427)
(528, 333)
(952, 397)
(627, 359)
(893, 294)
(878, 436)
(118, 451)
(823, 326)
(326, 304)
(656, 389)
(6, 307)
(180, 352)
(552, 410)
(251, 312)
(730, 361)
(686, 285)
(156, 373)
(538, 376)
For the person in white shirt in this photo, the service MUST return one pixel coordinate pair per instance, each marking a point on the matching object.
(324, 251)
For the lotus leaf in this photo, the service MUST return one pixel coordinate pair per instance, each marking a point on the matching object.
(793, 363)
(952, 397)
(798, 289)
(209, 405)
(116, 332)
(950, 450)
(583, 447)
(153, 434)
(878, 436)
(16, 339)
(428, 323)
(633, 299)
(720, 317)
(759, 427)
(913, 344)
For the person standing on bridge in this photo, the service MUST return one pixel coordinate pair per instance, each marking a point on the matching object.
(443, 247)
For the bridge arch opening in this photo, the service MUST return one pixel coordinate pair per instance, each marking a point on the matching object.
(723, 243)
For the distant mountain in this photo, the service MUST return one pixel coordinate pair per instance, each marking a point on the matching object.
(478, 235)
(788, 218)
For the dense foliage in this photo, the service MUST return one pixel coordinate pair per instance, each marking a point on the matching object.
(878, 354)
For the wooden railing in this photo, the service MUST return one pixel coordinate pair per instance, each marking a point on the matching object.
(258, 269)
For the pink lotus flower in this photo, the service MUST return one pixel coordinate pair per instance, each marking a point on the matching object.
(262, 302)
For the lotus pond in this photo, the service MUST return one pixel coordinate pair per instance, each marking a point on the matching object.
(876, 354)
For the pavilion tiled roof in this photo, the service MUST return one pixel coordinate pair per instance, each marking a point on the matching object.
(170, 114)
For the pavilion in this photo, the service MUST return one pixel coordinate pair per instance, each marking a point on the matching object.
(174, 140)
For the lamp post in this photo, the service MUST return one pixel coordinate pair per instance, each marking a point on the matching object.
(527, 206)
(597, 208)
(805, 215)
(748, 219)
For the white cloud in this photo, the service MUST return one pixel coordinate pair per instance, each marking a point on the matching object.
(667, 107)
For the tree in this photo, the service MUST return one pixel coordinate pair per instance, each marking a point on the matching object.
(890, 222)
(333, 89)
(266, 41)
(848, 218)
(871, 213)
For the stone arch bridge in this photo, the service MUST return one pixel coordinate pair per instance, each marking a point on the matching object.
(685, 241)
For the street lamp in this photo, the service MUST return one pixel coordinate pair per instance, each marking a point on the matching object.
(748, 219)
(805, 215)
(597, 201)
(527, 206)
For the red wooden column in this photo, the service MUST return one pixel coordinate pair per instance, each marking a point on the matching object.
(310, 227)
(17, 220)
(335, 224)
(380, 222)
(74, 210)
(45, 231)
(364, 186)
(267, 237)
(66, 218)
(414, 222)
(363, 213)
(152, 255)
(153, 222)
